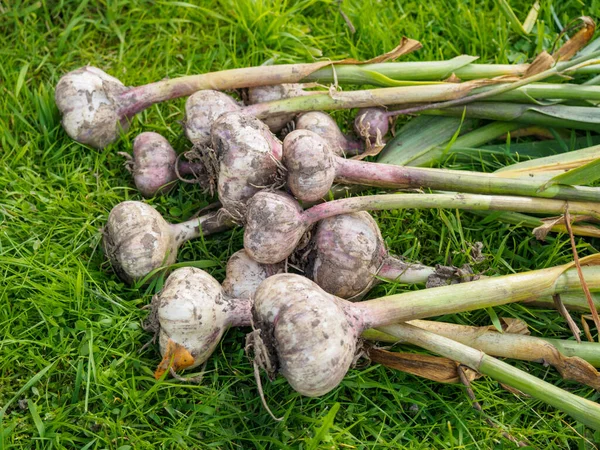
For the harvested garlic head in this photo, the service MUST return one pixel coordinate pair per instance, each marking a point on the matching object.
(306, 331)
(201, 110)
(310, 165)
(193, 314)
(323, 124)
(244, 275)
(262, 94)
(371, 124)
(274, 226)
(138, 240)
(248, 154)
(348, 252)
(154, 164)
(87, 100)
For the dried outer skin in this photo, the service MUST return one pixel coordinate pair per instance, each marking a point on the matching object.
(244, 275)
(88, 101)
(274, 226)
(310, 165)
(308, 333)
(137, 240)
(154, 164)
(193, 312)
(323, 124)
(201, 110)
(248, 154)
(262, 94)
(348, 252)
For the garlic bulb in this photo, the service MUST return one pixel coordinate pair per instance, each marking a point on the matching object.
(273, 228)
(138, 240)
(263, 94)
(154, 164)
(87, 100)
(193, 313)
(323, 124)
(372, 123)
(244, 275)
(249, 155)
(310, 164)
(202, 109)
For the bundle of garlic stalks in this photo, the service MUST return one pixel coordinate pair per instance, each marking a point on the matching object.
(309, 260)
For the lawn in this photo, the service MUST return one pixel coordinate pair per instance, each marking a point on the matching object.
(72, 370)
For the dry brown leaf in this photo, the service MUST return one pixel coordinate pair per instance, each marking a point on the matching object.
(538, 132)
(512, 325)
(574, 368)
(558, 224)
(543, 61)
(586, 328)
(514, 391)
(436, 368)
(406, 46)
(561, 308)
(578, 41)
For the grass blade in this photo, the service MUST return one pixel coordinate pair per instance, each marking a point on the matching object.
(324, 429)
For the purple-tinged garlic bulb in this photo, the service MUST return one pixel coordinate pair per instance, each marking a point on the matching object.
(306, 332)
(348, 255)
(202, 109)
(310, 164)
(193, 312)
(138, 240)
(274, 226)
(263, 94)
(88, 101)
(249, 156)
(323, 124)
(244, 275)
(275, 223)
(372, 124)
(155, 163)
(310, 336)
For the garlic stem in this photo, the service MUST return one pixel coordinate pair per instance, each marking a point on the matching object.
(581, 409)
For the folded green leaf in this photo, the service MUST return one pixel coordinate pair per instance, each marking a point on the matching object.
(585, 174)
(557, 116)
(414, 142)
(563, 162)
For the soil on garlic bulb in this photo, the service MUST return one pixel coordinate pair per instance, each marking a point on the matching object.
(202, 109)
(249, 157)
(322, 124)
(137, 239)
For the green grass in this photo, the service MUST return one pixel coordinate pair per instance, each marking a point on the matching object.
(71, 374)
